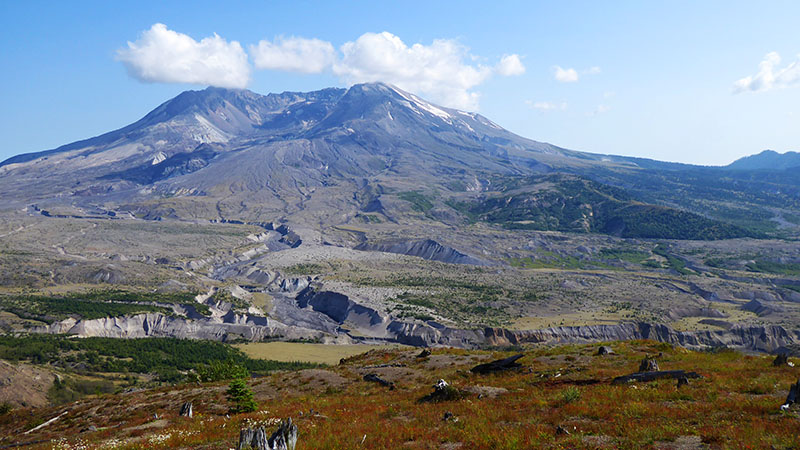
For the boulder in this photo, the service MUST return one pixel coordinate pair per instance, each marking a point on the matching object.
(605, 350)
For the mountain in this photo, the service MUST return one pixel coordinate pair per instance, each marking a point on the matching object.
(359, 132)
(767, 160)
(372, 153)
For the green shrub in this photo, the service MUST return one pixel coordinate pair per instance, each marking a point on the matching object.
(569, 395)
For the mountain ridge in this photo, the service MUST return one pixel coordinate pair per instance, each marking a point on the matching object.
(766, 160)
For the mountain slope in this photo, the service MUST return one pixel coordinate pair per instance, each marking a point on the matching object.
(329, 157)
(767, 160)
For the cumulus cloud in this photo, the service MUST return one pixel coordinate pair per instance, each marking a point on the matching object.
(566, 75)
(769, 76)
(294, 54)
(510, 65)
(571, 75)
(165, 56)
(444, 71)
(439, 71)
(547, 106)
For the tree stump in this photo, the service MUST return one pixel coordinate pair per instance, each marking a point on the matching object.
(252, 438)
(424, 353)
(186, 410)
(284, 438)
(781, 360)
(604, 350)
(648, 365)
(794, 392)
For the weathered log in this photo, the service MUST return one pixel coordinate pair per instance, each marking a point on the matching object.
(186, 410)
(652, 376)
(683, 381)
(46, 423)
(648, 365)
(375, 378)
(498, 365)
(604, 350)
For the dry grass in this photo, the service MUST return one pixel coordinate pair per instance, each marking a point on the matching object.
(735, 405)
(305, 352)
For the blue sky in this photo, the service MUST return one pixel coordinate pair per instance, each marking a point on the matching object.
(654, 79)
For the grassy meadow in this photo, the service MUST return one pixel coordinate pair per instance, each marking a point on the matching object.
(736, 404)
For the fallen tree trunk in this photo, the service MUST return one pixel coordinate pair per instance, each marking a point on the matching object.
(46, 423)
(499, 365)
(652, 376)
(376, 379)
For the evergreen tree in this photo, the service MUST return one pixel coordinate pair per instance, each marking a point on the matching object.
(241, 397)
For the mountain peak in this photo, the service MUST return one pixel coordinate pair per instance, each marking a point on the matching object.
(767, 160)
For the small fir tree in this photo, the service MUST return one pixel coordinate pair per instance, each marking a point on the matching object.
(241, 397)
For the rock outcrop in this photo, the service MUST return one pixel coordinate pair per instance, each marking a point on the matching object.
(425, 249)
(230, 327)
(755, 338)
(762, 307)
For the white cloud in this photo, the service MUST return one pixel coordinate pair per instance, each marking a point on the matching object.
(768, 78)
(165, 56)
(566, 75)
(510, 65)
(444, 71)
(547, 106)
(437, 71)
(294, 54)
(571, 75)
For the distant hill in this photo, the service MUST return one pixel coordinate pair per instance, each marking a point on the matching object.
(767, 160)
